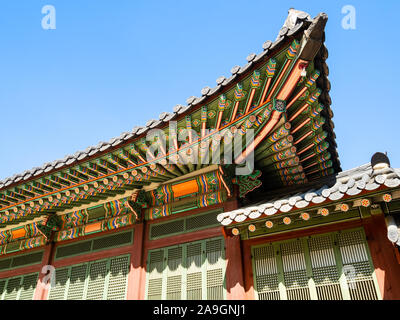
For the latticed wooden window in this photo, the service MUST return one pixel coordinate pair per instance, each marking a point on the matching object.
(77, 282)
(189, 271)
(18, 288)
(333, 266)
(324, 267)
(97, 244)
(96, 280)
(184, 225)
(21, 260)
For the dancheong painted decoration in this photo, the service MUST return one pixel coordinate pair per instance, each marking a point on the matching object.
(237, 195)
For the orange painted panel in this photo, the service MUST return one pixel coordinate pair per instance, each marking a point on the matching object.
(93, 227)
(18, 233)
(185, 188)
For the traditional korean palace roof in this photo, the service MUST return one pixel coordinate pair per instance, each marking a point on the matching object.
(280, 94)
(333, 191)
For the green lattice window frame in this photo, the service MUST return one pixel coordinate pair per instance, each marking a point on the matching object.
(199, 273)
(322, 268)
(79, 281)
(19, 288)
(184, 221)
(91, 242)
(11, 264)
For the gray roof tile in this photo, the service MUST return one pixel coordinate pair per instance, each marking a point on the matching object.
(141, 130)
(105, 146)
(94, 151)
(198, 100)
(27, 175)
(267, 44)
(284, 30)
(190, 99)
(136, 129)
(170, 116)
(124, 135)
(354, 191)
(48, 169)
(70, 161)
(251, 57)
(116, 142)
(350, 182)
(178, 107)
(153, 123)
(82, 156)
(220, 80)
(277, 42)
(150, 122)
(229, 80)
(111, 141)
(244, 68)
(260, 55)
(295, 29)
(336, 196)
(163, 115)
(235, 69)
(205, 90)
(215, 89)
(7, 183)
(183, 109)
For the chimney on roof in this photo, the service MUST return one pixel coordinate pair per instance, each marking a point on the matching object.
(380, 161)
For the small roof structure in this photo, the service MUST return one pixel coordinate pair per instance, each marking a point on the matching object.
(347, 183)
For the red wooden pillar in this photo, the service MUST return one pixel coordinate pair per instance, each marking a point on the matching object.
(41, 292)
(248, 270)
(233, 255)
(142, 287)
(387, 268)
(136, 267)
(234, 269)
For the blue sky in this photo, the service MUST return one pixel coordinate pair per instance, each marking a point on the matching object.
(111, 65)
